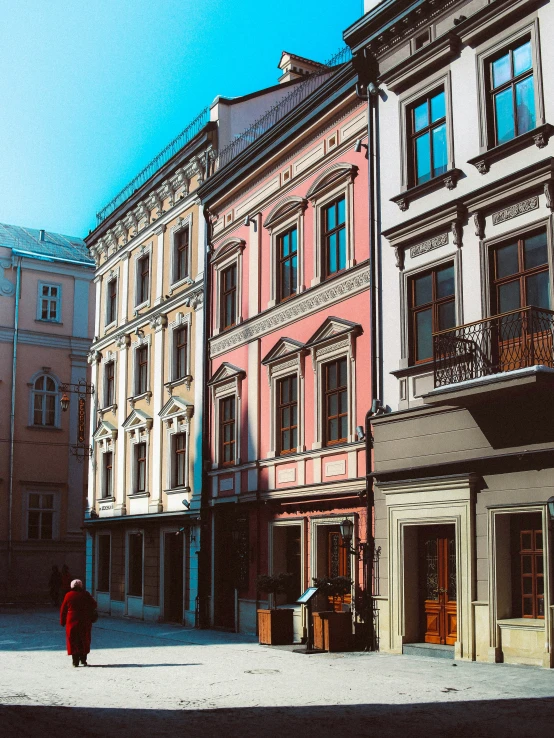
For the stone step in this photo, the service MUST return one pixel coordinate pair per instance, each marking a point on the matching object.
(433, 650)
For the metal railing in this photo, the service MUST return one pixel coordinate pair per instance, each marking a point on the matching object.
(502, 343)
(276, 113)
(186, 135)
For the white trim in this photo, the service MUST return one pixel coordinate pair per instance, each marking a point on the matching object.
(182, 225)
(230, 252)
(145, 250)
(276, 370)
(227, 386)
(44, 393)
(135, 346)
(113, 275)
(182, 320)
(57, 300)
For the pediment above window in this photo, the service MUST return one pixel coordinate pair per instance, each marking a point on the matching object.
(225, 373)
(229, 247)
(284, 208)
(284, 348)
(333, 328)
(137, 420)
(105, 432)
(176, 409)
(341, 171)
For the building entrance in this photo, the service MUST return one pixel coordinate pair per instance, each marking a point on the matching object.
(173, 577)
(438, 584)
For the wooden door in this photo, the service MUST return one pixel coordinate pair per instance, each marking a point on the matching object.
(173, 577)
(438, 584)
(338, 565)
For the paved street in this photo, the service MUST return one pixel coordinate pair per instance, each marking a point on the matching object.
(162, 680)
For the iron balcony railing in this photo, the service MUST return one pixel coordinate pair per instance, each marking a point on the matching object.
(502, 343)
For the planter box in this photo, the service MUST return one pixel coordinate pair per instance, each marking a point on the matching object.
(275, 627)
(332, 631)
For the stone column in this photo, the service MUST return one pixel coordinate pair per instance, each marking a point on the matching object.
(158, 323)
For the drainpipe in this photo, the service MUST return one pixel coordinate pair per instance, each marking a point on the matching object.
(12, 420)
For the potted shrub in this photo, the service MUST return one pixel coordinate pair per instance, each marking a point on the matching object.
(274, 624)
(333, 630)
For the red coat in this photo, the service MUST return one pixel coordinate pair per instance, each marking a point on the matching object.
(75, 614)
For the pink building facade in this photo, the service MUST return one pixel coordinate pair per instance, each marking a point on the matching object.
(289, 357)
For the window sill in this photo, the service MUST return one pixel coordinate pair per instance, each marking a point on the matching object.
(101, 500)
(449, 180)
(185, 282)
(143, 396)
(45, 428)
(140, 307)
(186, 380)
(521, 624)
(138, 495)
(49, 322)
(408, 371)
(108, 409)
(111, 325)
(538, 136)
(177, 491)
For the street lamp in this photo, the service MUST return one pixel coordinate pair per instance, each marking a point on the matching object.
(64, 402)
(346, 530)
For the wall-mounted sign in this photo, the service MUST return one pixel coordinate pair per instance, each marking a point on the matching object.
(82, 419)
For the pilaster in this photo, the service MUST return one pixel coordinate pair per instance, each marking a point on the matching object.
(158, 323)
(123, 342)
(158, 296)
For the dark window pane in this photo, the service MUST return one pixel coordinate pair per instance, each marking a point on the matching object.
(423, 158)
(47, 502)
(423, 290)
(501, 71)
(528, 606)
(537, 288)
(527, 585)
(526, 541)
(522, 58)
(332, 265)
(33, 530)
(334, 429)
(50, 386)
(34, 501)
(504, 109)
(343, 431)
(539, 563)
(46, 526)
(447, 316)
(440, 152)
(438, 107)
(421, 116)
(506, 260)
(445, 282)
(540, 585)
(332, 405)
(332, 376)
(509, 297)
(525, 102)
(535, 251)
(538, 540)
(294, 438)
(424, 347)
(342, 373)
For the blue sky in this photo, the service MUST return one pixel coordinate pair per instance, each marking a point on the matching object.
(91, 90)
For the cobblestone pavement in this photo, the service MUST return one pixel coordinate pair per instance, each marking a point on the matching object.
(162, 680)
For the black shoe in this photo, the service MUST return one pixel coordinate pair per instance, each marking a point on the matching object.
(84, 661)
(75, 660)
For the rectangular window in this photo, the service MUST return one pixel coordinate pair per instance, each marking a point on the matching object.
(111, 304)
(532, 573)
(135, 565)
(143, 279)
(141, 381)
(179, 459)
(140, 467)
(49, 302)
(432, 309)
(287, 264)
(40, 526)
(229, 297)
(511, 92)
(520, 275)
(107, 482)
(45, 397)
(334, 237)
(287, 414)
(181, 255)
(109, 384)
(335, 405)
(428, 140)
(179, 353)
(227, 430)
(103, 584)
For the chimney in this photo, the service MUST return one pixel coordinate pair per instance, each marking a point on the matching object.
(296, 67)
(41, 235)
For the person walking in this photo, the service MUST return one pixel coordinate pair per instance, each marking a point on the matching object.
(54, 584)
(76, 615)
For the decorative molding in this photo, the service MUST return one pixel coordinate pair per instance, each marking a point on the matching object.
(321, 296)
(285, 208)
(158, 321)
(449, 180)
(520, 208)
(538, 136)
(94, 357)
(332, 175)
(479, 221)
(457, 231)
(7, 288)
(429, 245)
(549, 194)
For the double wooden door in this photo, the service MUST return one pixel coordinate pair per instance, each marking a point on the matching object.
(438, 585)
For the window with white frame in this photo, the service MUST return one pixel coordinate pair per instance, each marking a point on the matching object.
(141, 370)
(142, 294)
(286, 226)
(227, 264)
(179, 460)
(44, 402)
(111, 301)
(140, 468)
(181, 254)
(40, 516)
(226, 387)
(332, 196)
(109, 383)
(180, 352)
(49, 302)
(107, 474)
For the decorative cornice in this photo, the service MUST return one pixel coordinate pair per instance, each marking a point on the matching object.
(354, 281)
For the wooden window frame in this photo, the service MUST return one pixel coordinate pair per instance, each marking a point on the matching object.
(49, 299)
(330, 392)
(143, 279)
(281, 406)
(109, 383)
(111, 301)
(180, 352)
(44, 395)
(226, 324)
(413, 135)
(434, 305)
(281, 261)
(179, 455)
(232, 422)
(141, 360)
(180, 247)
(140, 453)
(40, 510)
(326, 235)
(107, 475)
(534, 576)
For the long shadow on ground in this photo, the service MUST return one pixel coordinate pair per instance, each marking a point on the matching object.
(488, 719)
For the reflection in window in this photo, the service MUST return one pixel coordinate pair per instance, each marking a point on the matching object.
(287, 264)
(520, 274)
(428, 138)
(512, 92)
(334, 237)
(432, 309)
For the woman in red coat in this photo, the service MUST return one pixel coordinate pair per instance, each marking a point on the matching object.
(76, 615)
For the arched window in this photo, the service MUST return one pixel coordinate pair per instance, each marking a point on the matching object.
(44, 401)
